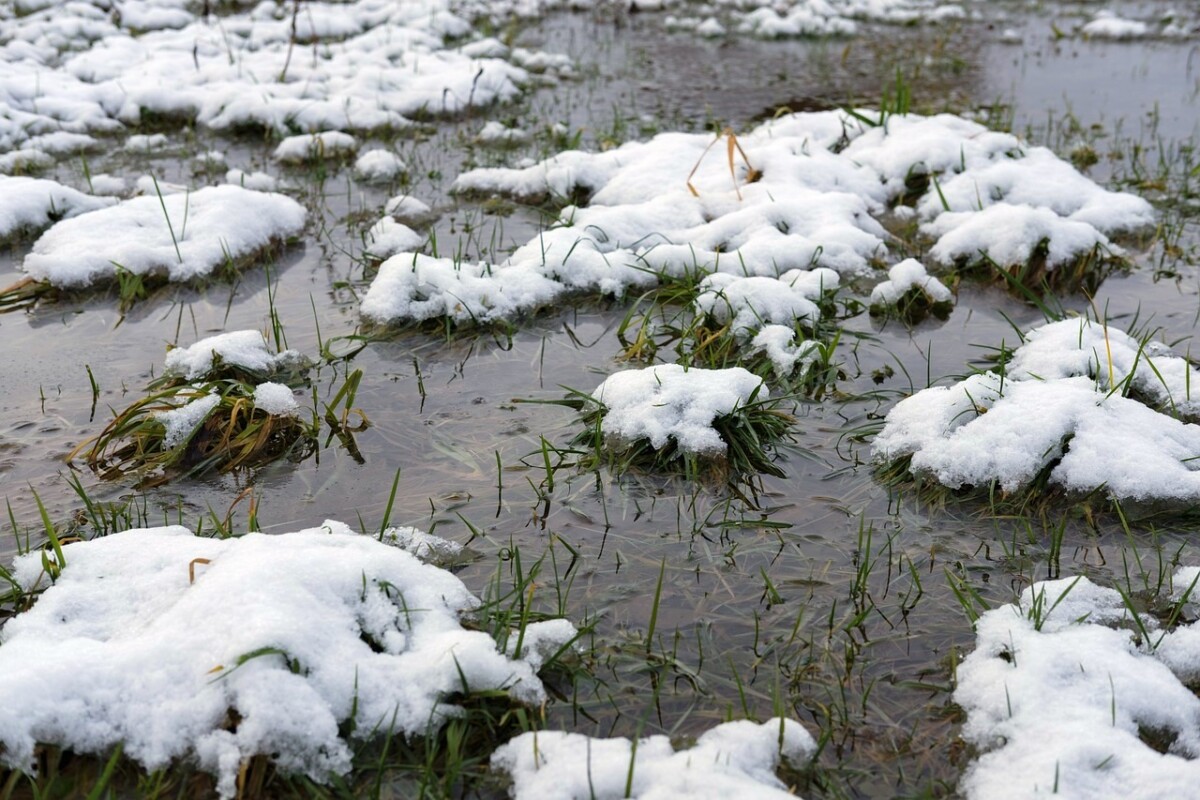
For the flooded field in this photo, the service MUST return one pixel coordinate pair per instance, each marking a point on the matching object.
(829, 595)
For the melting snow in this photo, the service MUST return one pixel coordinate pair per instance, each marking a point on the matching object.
(30, 204)
(819, 182)
(735, 759)
(670, 403)
(1060, 407)
(246, 349)
(293, 634)
(1059, 690)
(210, 226)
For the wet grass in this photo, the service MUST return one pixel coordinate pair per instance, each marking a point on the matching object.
(705, 607)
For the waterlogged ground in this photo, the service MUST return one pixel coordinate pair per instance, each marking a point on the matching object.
(833, 598)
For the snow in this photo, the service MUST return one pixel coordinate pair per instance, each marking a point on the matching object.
(711, 28)
(245, 349)
(379, 166)
(143, 143)
(315, 147)
(669, 403)
(180, 423)
(80, 69)
(497, 134)
(276, 400)
(274, 629)
(410, 287)
(820, 183)
(904, 276)
(223, 223)
(1054, 412)
(104, 184)
(734, 759)
(1108, 25)
(778, 342)
(31, 204)
(1011, 235)
(752, 302)
(1059, 688)
(387, 237)
(255, 181)
(408, 209)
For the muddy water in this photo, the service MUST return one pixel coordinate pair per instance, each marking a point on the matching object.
(830, 600)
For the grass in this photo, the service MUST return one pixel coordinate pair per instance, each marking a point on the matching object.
(914, 306)
(233, 435)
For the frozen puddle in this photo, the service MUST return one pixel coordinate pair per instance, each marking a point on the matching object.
(1081, 405)
(1066, 696)
(221, 649)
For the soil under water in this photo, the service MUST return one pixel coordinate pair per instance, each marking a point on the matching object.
(830, 601)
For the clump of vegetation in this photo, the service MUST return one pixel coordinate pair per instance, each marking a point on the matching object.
(666, 320)
(233, 417)
(914, 306)
(231, 433)
(911, 294)
(1084, 274)
(750, 432)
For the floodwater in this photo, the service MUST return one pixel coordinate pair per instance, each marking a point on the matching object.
(830, 599)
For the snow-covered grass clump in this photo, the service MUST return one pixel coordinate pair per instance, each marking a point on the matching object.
(812, 18)
(226, 402)
(497, 134)
(1068, 693)
(31, 204)
(1107, 25)
(1080, 406)
(748, 304)
(296, 638)
(387, 237)
(74, 68)
(315, 147)
(911, 293)
(194, 234)
(672, 417)
(241, 351)
(735, 759)
(806, 191)
(379, 166)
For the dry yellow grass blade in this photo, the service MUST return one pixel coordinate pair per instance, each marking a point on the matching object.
(731, 144)
(192, 567)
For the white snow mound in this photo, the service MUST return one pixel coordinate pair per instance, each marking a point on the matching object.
(735, 759)
(209, 227)
(31, 204)
(1060, 688)
(289, 633)
(669, 402)
(819, 184)
(246, 349)
(1092, 408)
